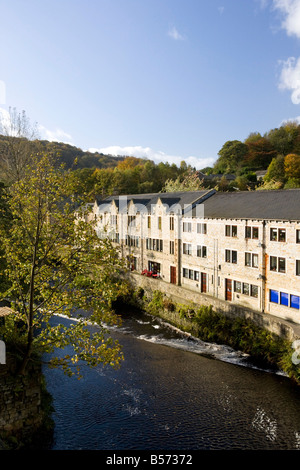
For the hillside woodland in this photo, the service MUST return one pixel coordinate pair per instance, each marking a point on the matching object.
(269, 161)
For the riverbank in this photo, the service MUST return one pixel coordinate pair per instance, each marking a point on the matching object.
(203, 322)
(26, 408)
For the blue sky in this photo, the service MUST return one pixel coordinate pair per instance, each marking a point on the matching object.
(168, 80)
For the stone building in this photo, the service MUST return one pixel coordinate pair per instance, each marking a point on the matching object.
(240, 247)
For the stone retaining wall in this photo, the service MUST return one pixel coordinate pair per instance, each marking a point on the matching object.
(183, 295)
(20, 401)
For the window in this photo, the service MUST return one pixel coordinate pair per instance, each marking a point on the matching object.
(231, 230)
(171, 223)
(131, 240)
(187, 249)
(149, 221)
(274, 296)
(237, 287)
(201, 251)
(187, 226)
(251, 232)
(281, 235)
(231, 256)
(277, 235)
(201, 228)
(115, 238)
(295, 301)
(281, 265)
(172, 248)
(277, 264)
(131, 220)
(292, 301)
(297, 236)
(114, 219)
(273, 234)
(159, 223)
(246, 288)
(251, 259)
(284, 299)
(190, 274)
(254, 291)
(154, 244)
(297, 267)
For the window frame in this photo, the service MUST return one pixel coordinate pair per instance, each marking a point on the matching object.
(232, 256)
(231, 231)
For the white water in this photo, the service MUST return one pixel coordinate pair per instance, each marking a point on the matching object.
(182, 340)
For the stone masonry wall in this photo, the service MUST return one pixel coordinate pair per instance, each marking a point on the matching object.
(182, 295)
(20, 401)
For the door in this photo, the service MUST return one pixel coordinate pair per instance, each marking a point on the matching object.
(203, 282)
(228, 289)
(173, 274)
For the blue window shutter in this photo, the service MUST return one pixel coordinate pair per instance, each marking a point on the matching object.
(295, 301)
(284, 299)
(274, 296)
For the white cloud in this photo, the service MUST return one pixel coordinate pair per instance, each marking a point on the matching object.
(174, 34)
(290, 71)
(290, 78)
(286, 121)
(156, 156)
(291, 12)
(57, 135)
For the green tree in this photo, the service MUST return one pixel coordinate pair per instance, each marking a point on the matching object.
(189, 182)
(231, 157)
(282, 138)
(275, 171)
(56, 264)
(16, 145)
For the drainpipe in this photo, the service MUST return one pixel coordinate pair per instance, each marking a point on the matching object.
(264, 268)
(179, 249)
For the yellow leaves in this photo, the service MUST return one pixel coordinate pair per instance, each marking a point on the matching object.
(292, 165)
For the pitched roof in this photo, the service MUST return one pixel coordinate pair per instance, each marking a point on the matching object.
(181, 200)
(267, 205)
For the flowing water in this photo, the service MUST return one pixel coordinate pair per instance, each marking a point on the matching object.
(173, 392)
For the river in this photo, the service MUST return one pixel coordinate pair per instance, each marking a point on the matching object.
(173, 392)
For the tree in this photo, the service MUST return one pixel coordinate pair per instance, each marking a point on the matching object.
(292, 165)
(189, 182)
(282, 139)
(252, 137)
(275, 171)
(260, 154)
(16, 148)
(231, 156)
(56, 264)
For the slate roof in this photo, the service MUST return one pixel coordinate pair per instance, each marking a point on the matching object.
(182, 200)
(265, 205)
(255, 205)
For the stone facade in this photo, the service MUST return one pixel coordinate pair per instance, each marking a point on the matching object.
(20, 401)
(243, 249)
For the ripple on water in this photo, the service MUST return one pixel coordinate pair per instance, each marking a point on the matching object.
(169, 397)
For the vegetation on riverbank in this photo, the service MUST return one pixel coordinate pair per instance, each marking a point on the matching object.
(239, 333)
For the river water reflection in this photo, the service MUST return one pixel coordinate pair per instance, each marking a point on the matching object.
(173, 393)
